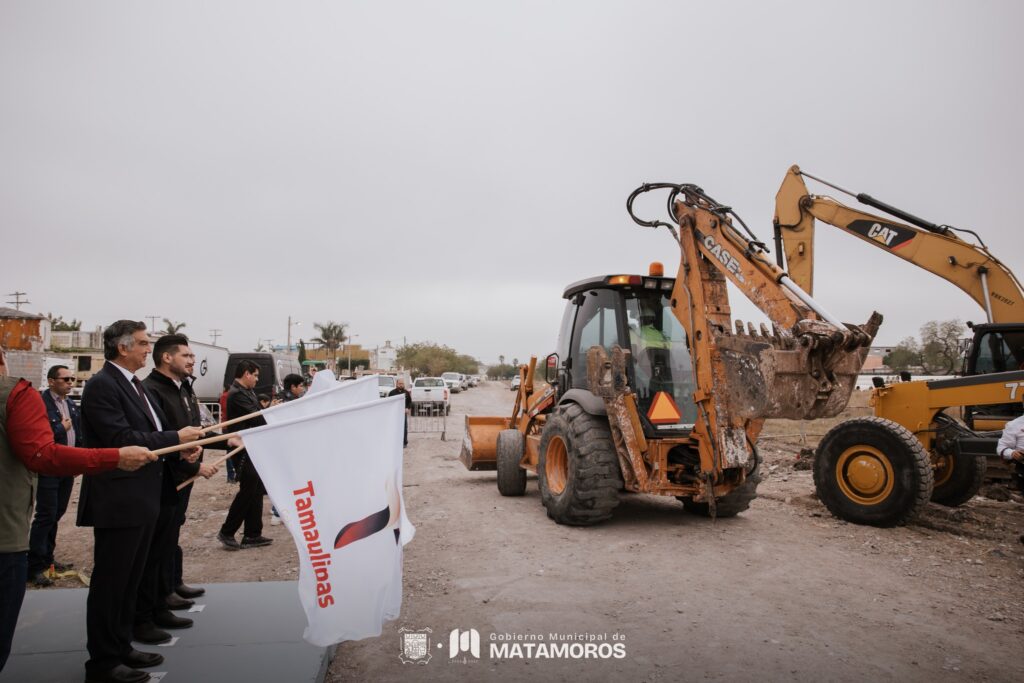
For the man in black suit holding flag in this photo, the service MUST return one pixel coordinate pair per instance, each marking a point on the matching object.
(121, 507)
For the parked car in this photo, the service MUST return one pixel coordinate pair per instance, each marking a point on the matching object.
(515, 382)
(385, 384)
(430, 396)
(453, 380)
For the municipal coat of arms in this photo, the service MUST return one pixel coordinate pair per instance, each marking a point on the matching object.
(415, 645)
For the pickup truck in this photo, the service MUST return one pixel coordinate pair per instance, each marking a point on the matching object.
(453, 380)
(430, 397)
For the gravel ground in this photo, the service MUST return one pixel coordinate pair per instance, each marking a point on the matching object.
(781, 592)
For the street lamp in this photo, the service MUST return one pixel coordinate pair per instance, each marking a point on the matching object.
(350, 338)
(290, 324)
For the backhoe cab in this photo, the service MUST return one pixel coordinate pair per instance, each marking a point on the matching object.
(652, 389)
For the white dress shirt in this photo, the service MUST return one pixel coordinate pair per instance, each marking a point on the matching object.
(1012, 439)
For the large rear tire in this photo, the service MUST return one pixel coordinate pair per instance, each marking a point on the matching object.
(511, 477)
(578, 470)
(872, 471)
(958, 478)
(734, 502)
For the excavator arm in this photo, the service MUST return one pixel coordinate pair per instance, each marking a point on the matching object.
(935, 248)
(804, 368)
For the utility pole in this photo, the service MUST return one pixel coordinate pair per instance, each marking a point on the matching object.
(350, 338)
(152, 321)
(290, 323)
(215, 334)
(18, 302)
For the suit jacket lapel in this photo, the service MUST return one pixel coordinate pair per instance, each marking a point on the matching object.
(129, 388)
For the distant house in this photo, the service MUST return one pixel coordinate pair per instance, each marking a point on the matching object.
(21, 331)
(874, 363)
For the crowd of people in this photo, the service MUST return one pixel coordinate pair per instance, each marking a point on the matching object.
(135, 502)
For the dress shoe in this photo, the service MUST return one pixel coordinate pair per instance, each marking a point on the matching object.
(148, 633)
(165, 618)
(189, 591)
(41, 580)
(141, 660)
(255, 541)
(229, 541)
(174, 601)
(119, 674)
(63, 566)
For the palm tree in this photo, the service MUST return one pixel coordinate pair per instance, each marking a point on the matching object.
(172, 328)
(332, 336)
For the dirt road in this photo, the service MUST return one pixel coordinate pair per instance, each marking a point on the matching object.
(782, 592)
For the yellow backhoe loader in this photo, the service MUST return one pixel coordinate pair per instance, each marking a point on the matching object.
(928, 440)
(652, 389)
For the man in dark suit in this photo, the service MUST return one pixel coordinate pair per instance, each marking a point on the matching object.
(53, 493)
(122, 508)
(247, 507)
(170, 383)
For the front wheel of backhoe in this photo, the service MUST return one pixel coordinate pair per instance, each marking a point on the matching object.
(511, 477)
(872, 471)
(578, 471)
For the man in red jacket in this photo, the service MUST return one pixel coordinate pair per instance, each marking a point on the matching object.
(27, 448)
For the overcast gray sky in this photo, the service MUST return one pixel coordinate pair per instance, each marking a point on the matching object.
(441, 170)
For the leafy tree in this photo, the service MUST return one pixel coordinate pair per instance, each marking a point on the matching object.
(428, 358)
(904, 356)
(172, 328)
(332, 336)
(502, 371)
(940, 346)
(58, 325)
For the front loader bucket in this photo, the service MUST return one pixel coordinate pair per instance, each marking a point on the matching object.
(799, 377)
(480, 444)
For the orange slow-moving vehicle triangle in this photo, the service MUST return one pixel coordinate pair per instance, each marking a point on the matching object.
(663, 410)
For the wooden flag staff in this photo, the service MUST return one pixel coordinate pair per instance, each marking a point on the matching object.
(215, 463)
(234, 420)
(200, 442)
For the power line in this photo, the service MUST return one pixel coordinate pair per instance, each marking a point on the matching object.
(18, 302)
(215, 334)
(152, 321)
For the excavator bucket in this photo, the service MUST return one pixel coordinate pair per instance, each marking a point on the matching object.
(480, 444)
(801, 374)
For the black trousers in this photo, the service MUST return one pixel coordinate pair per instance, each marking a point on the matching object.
(119, 561)
(153, 586)
(52, 496)
(247, 507)
(12, 592)
(173, 572)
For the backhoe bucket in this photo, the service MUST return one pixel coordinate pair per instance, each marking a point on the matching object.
(480, 444)
(802, 376)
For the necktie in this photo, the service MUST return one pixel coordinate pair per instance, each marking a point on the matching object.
(142, 395)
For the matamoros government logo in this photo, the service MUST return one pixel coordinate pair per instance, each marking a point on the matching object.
(468, 646)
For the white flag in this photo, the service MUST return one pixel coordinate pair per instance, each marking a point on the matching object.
(329, 395)
(336, 479)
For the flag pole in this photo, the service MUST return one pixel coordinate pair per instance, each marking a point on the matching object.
(200, 442)
(234, 420)
(215, 463)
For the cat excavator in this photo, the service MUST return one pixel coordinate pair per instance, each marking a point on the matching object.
(653, 389)
(929, 440)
